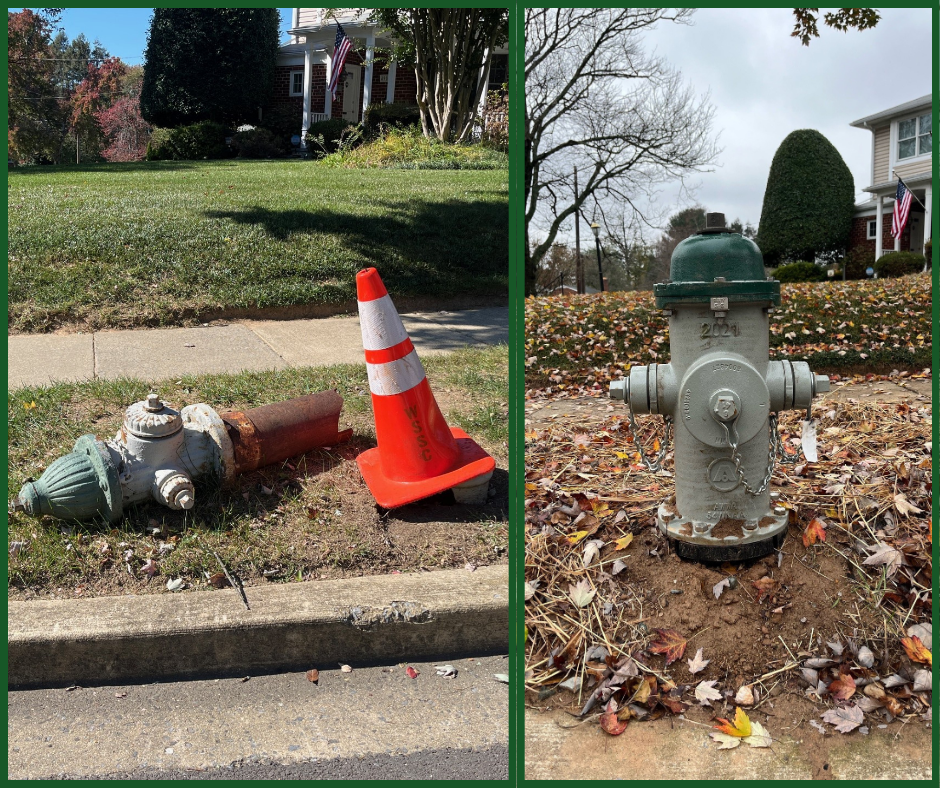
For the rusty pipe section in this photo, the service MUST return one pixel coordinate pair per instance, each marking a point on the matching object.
(272, 433)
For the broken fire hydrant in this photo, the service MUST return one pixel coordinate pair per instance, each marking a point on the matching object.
(159, 452)
(721, 394)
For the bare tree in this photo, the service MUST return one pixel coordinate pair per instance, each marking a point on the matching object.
(596, 100)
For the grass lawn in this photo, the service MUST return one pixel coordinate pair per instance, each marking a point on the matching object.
(166, 243)
(308, 518)
(577, 344)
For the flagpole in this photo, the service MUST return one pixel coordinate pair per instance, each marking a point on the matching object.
(913, 196)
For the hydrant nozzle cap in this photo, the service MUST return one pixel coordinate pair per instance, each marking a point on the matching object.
(153, 403)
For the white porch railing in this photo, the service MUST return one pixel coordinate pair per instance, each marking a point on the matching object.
(316, 117)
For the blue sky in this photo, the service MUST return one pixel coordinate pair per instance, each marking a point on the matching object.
(122, 31)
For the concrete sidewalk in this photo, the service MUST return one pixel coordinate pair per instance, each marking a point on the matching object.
(250, 345)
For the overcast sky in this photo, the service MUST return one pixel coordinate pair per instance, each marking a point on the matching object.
(765, 84)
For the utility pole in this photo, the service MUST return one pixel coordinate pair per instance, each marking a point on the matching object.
(579, 264)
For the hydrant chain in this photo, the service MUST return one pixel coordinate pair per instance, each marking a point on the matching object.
(733, 443)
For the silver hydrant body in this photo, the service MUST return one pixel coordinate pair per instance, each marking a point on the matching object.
(721, 393)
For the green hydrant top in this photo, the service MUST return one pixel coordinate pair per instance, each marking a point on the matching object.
(717, 262)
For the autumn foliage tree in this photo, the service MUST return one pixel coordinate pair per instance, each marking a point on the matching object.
(36, 113)
(126, 132)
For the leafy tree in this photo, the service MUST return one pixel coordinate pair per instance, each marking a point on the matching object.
(448, 47)
(126, 132)
(36, 115)
(806, 26)
(97, 92)
(208, 64)
(808, 202)
(72, 58)
(596, 100)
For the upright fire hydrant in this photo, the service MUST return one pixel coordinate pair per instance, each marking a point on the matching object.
(159, 452)
(721, 395)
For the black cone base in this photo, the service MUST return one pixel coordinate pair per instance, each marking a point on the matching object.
(721, 553)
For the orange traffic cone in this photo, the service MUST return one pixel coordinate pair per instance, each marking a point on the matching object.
(418, 455)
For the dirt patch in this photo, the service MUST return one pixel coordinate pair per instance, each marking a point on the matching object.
(598, 600)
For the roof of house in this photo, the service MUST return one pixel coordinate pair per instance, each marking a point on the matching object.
(900, 109)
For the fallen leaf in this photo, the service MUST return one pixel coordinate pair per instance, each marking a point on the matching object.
(887, 555)
(916, 651)
(865, 657)
(501, 677)
(623, 542)
(345, 668)
(219, 580)
(411, 673)
(618, 567)
(845, 718)
(697, 664)
(670, 643)
(904, 506)
(706, 692)
(815, 530)
(447, 671)
(577, 536)
(922, 680)
(582, 593)
(313, 675)
(744, 696)
(741, 726)
(592, 550)
(572, 685)
(725, 742)
(174, 585)
(759, 736)
(843, 687)
(530, 589)
(149, 568)
(766, 585)
(720, 586)
(613, 725)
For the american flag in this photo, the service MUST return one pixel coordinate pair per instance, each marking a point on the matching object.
(902, 208)
(341, 48)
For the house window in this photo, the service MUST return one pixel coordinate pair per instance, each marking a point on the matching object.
(914, 137)
(296, 83)
(872, 229)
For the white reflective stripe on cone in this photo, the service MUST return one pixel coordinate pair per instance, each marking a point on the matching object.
(395, 377)
(381, 326)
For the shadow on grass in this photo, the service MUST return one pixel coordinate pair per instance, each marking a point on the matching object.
(417, 246)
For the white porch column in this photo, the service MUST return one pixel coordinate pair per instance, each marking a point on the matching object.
(879, 226)
(484, 81)
(308, 72)
(390, 89)
(367, 87)
(328, 98)
(928, 216)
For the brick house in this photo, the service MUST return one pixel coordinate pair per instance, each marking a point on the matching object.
(304, 66)
(901, 147)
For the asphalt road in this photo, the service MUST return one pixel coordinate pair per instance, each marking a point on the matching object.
(370, 723)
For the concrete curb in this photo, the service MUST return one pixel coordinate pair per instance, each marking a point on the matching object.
(289, 627)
